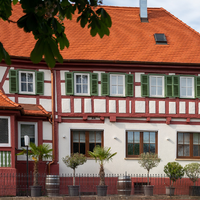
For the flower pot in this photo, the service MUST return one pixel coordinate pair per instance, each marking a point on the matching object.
(36, 191)
(73, 190)
(148, 190)
(194, 190)
(170, 191)
(102, 190)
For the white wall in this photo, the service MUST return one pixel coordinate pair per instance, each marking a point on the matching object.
(166, 148)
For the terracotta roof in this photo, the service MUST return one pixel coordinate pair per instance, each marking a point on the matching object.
(129, 40)
(26, 109)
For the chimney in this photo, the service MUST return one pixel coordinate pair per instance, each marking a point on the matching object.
(143, 11)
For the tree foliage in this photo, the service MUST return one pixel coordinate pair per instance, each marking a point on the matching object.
(192, 170)
(102, 155)
(174, 171)
(148, 161)
(38, 153)
(44, 19)
(74, 161)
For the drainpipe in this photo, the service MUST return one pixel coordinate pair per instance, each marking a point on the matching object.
(53, 118)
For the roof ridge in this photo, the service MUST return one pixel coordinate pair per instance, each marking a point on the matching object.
(180, 21)
(8, 100)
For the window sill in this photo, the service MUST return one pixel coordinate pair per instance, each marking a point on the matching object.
(187, 159)
(131, 158)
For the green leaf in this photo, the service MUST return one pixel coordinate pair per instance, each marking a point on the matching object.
(49, 57)
(4, 54)
(15, 2)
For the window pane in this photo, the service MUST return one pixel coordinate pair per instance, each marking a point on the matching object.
(120, 89)
(30, 87)
(183, 91)
(152, 137)
(186, 150)
(130, 149)
(153, 81)
(85, 78)
(180, 150)
(23, 77)
(75, 147)
(30, 77)
(183, 82)
(98, 137)
(145, 148)
(195, 138)
(78, 78)
(180, 138)
(85, 88)
(189, 82)
(27, 129)
(114, 89)
(196, 150)
(136, 137)
(3, 130)
(78, 88)
(152, 148)
(91, 146)
(136, 149)
(130, 137)
(75, 136)
(159, 90)
(159, 81)
(82, 148)
(153, 90)
(113, 80)
(82, 137)
(120, 80)
(186, 138)
(91, 137)
(23, 87)
(146, 137)
(189, 91)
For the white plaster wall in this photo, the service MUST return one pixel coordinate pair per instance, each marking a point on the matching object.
(191, 107)
(161, 107)
(140, 106)
(172, 107)
(47, 74)
(62, 88)
(122, 106)
(99, 105)
(77, 106)
(66, 106)
(62, 74)
(166, 148)
(6, 86)
(46, 104)
(47, 131)
(2, 72)
(12, 98)
(27, 100)
(182, 107)
(112, 106)
(47, 89)
(138, 76)
(87, 105)
(152, 107)
(138, 91)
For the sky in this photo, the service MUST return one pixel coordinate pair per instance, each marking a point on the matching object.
(186, 10)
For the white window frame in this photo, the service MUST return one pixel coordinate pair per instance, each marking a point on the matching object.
(163, 86)
(111, 94)
(26, 92)
(19, 133)
(82, 94)
(181, 77)
(9, 133)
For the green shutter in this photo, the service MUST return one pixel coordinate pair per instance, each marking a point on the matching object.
(129, 85)
(13, 81)
(197, 86)
(144, 85)
(168, 86)
(176, 87)
(69, 83)
(39, 82)
(105, 84)
(94, 84)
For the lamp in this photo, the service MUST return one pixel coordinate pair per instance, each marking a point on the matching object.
(26, 142)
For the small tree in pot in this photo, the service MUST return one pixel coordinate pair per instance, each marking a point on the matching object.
(174, 171)
(38, 153)
(192, 170)
(73, 162)
(102, 155)
(148, 161)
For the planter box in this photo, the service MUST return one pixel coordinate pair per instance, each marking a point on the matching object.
(194, 190)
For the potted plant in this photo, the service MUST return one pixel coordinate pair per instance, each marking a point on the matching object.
(148, 161)
(102, 155)
(73, 162)
(38, 153)
(192, 170)
(174, 171)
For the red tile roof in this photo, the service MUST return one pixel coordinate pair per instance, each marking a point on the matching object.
(130, 39)
(26, 109)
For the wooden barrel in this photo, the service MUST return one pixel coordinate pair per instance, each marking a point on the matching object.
(52, 185)
(124, 186)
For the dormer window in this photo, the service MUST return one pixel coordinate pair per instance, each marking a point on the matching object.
(160, 38)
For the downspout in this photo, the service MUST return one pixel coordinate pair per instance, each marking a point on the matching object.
(53, 118)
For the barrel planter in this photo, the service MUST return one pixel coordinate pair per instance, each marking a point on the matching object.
(124, 186)
(52, 185)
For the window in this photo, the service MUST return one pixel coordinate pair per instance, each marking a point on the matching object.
(157, 86)
(5, 139)
(26, 82)
(187, 87)
(27, 128)
(138, 142)
(117, 85)
(81, 84)
(160, 38)
(84, 141)
(188, 145)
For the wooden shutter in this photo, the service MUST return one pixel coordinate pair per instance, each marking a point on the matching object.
(39, 82)
(168, 86)
(13, 81)
(129, 85)
(69, 83)
(197, 86)
(176, 86)
(105, 84)
(144, 85)
(94, 84)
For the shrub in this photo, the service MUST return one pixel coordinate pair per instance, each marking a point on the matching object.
(192, 170)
